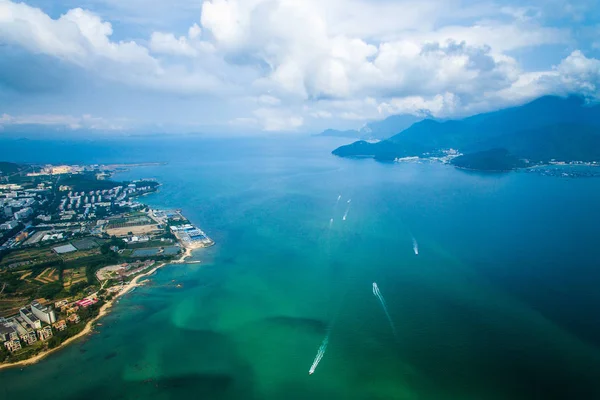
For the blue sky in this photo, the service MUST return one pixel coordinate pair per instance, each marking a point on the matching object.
(247, 66)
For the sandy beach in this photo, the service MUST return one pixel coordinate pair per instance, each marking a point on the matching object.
(103, 311)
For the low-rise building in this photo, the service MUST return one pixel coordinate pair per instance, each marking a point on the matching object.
(61, 303)
(45, 333)
(24, 213)
(29, 337)
(22, 326)
(86, 302)
(8, 332)
(72, 309)
(60, 325)
(30, 318)
(68, 248)
(73, 318)
(13, 345)
(7, 226)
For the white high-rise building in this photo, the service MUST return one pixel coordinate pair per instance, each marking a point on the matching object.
(44, 313)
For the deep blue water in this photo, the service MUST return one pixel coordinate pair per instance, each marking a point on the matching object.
(502, 301)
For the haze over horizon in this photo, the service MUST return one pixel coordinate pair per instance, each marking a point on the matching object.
(284, 65)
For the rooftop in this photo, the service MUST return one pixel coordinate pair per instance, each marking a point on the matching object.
(68, 248)
(29, 314)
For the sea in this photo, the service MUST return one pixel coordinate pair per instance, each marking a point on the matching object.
(488, 284)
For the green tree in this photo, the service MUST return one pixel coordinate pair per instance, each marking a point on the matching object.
(50, 290)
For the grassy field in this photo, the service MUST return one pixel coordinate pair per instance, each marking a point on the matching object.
(39, 272)
(73, 276)
(11, 306)
(80, 254)
(29, 257)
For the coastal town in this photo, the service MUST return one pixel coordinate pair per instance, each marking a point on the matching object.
(72, 240)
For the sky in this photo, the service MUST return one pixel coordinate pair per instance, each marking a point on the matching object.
(248, 66)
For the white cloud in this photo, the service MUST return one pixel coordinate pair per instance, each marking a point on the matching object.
(81, 37)
(190, 46)
(77, 36)
(268, 100)
(68, 121)
(440, 105)
(289, 61)
(580, 74)
(576, 74)
(224, 19)
(500, 37)
(167, 43)
(194, 32)
(277, 120)
(321, 114)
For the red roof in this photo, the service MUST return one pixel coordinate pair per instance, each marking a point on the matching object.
(86, 302)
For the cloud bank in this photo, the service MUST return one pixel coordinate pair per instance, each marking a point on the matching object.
(295, 65)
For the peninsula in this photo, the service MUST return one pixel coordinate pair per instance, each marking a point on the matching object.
(71, 242)
(546, 131)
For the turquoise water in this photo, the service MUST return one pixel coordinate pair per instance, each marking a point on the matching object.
(502, 301)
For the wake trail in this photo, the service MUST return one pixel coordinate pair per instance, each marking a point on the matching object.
(378, 294)
(323, 347)
(347, 210)
(415, 246)
(320, 354)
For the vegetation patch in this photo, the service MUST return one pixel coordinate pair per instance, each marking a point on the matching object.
(48, 275)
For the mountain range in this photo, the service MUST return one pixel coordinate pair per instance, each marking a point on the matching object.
(376, 130)
(546, 129)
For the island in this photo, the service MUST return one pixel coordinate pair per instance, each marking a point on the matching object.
(72, 240)
(546, 131)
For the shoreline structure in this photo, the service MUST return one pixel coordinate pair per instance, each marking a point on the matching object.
(104, 310)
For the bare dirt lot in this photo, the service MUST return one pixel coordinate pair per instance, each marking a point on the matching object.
(136, 230)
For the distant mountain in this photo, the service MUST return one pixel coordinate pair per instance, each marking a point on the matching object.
(548, 128)
(388, 127)
(559, 142)
(378, 129)
(350, 133)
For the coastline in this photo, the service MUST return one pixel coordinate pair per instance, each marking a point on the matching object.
(104, 310)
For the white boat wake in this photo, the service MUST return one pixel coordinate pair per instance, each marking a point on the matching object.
(320, 355)
(347, 210)
(330, 222)
(415, 246)
(378, 294)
